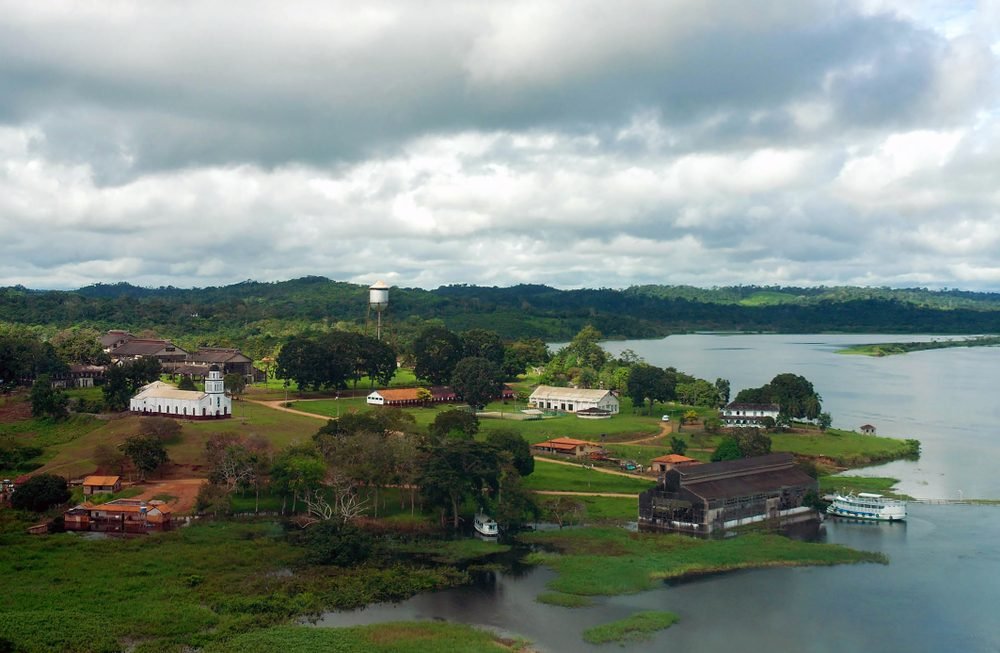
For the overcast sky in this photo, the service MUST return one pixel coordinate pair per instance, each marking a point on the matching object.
(577, 144)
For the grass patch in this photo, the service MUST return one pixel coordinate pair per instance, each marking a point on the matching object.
(637, 627)
(846, 448)
(398, 637)
(609, 509)
(609, 561)
(565, 600)
(453, 551)
(205, 583)
(875, 484)
(553, 476)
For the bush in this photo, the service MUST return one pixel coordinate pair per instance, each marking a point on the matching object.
(336, 543)
(40, 493)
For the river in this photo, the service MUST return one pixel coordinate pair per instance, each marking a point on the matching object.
(940, 590)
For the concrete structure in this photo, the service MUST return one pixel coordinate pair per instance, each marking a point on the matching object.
(571, 400)
(102, 485)
(567, 447)
(868, 429)
(163, 399)
(714, 496)
(736, 415)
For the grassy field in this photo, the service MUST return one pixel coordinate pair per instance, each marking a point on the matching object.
(609, 561)
(637, 627)
(552, 476)
(846, 448)
(195, 587)
(399, 637)
(565, 600)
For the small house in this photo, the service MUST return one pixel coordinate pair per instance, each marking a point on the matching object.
(102, 485)
(119, 516)
(868, 429)
(665, 463)
(567, 447)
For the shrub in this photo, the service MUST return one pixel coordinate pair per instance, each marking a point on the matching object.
(40, 493)
(336, 543)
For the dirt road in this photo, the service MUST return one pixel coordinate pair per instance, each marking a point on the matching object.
(185, 491)
(276, 405)
(595, 468)
(567, 493)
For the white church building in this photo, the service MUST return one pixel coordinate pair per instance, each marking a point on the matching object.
(573, 400)
(165, 400)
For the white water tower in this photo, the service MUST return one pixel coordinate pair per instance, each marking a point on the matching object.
(378, 301)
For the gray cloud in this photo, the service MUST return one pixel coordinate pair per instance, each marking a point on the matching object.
(576, 144)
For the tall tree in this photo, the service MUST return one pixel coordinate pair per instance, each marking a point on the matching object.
(47, 401)
(455, 470)
(80, 345)
(477, 381)
(456, 423)
(482, 343)
(723, 388)
(40, 493)
(123, 381)
(436, 351)
(510, 441)
(646, 382)
(793, 393)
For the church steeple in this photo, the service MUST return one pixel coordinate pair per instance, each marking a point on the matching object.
(214, 384)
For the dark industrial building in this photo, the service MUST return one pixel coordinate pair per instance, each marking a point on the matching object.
(715, 496)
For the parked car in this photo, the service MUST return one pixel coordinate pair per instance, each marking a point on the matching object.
(665, 418)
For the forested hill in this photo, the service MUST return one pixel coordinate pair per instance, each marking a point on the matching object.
(273, 310)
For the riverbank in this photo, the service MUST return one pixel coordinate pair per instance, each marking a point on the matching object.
(896, 348)
(609, 561)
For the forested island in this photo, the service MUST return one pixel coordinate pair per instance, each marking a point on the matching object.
(894, 348)
(260, 316)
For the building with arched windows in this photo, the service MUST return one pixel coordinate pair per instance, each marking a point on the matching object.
(165, 400)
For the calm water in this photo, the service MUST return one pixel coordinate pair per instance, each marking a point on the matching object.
(941, 590)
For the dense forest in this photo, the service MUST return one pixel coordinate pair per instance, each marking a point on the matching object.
(259, 316)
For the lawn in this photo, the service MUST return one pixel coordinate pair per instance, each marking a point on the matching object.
(846, 448)
(609, 561)
(552, 476)
(874, 484)
(637, 627)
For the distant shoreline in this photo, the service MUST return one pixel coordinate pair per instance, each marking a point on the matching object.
(896, 348)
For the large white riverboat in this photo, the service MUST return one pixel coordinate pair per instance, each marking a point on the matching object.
(867, 506)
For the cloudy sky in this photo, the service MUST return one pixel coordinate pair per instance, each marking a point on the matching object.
(575, 143)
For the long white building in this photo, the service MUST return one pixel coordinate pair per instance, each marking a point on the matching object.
(572, 400)
(165, 400)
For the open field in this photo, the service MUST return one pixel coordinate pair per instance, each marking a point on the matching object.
(636, 627)
(609, 561)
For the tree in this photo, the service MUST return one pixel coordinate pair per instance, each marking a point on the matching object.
(477, 381)
(186, 383)
(39, 493)
(454, 423)
(338, 543)
(511, 442)
(648, 382)
(678, 446)
(24, 357)
(698, 392)
(481, 343)
(455, 470)
(424, 396)
(146, 453)
(794, 394)
(728, 449)
(235, 383)
(752, 442)
(564, 510)
(80, 346)
(164, 429)
(108, 458)
(823, 420)
(436, 352)
(213, 499)
(123, 381)
(712, 424)
(522, 353)
(723, 388)
(47, 401)
(297, 469)
(230, 463)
